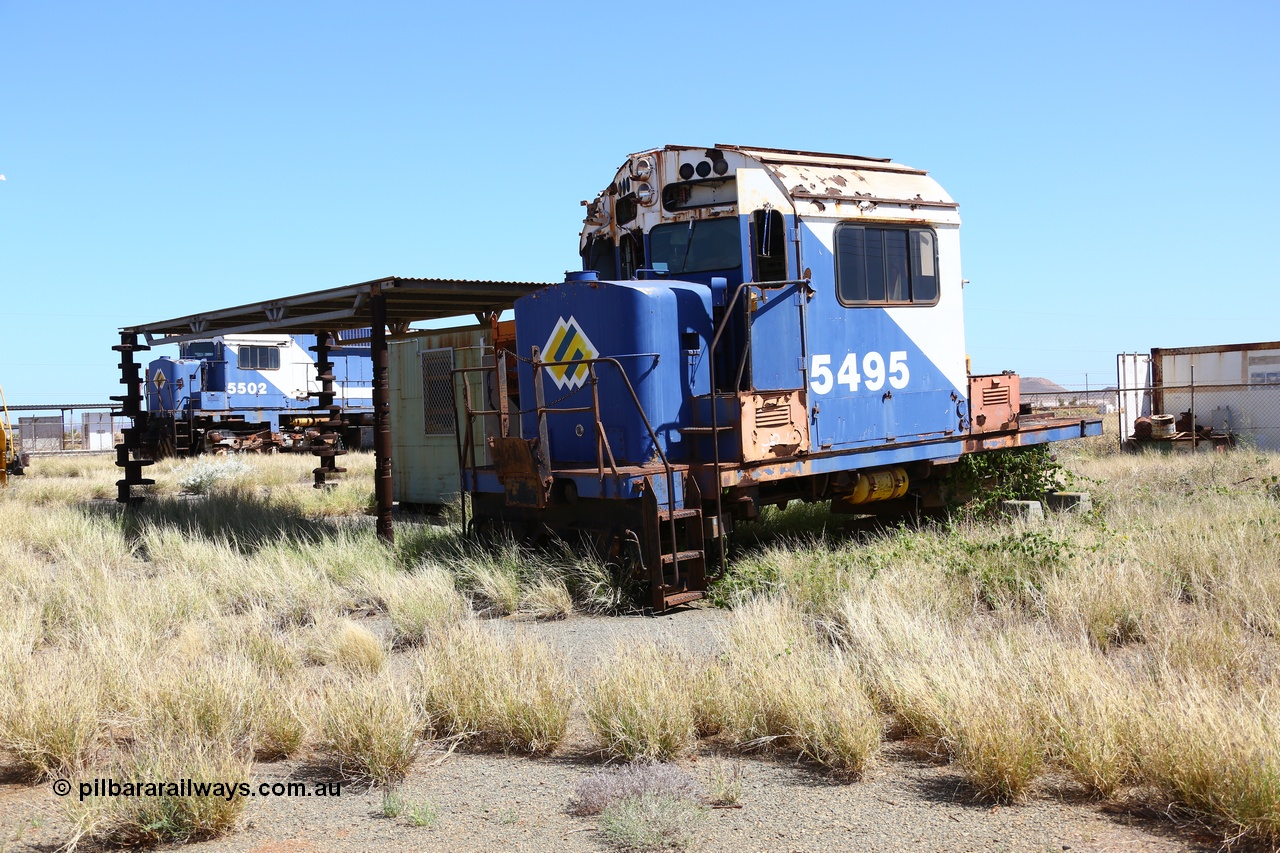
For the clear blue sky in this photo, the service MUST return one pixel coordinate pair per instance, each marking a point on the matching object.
(1116, 164)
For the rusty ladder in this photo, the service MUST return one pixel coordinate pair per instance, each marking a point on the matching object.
(715, 429)
(181, 434)
(675, 547)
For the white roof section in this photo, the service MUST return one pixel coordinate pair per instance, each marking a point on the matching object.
(840, 186)
(853, 187)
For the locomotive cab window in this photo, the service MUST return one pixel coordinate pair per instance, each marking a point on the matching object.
(886, 266)
(599, 255)
(769, 239)
(198, 349)
(698, 245)
(258, 358)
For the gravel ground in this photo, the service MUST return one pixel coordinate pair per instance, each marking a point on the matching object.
(493, 802)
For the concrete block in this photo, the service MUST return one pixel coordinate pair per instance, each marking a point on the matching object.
(1069, 501)
(1025, 510)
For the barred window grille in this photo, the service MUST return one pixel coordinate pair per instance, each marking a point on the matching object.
(438, 408)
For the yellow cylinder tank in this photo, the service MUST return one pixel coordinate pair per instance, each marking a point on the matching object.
(885, 484)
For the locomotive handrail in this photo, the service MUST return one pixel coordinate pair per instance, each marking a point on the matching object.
(591, 362)
(466, 449)
(715, 419)
(538, 364)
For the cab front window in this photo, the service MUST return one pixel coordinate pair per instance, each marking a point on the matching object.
(198, 349)
(699, 245)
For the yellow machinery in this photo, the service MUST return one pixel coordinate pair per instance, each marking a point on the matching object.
(883, 485)
(10, 462)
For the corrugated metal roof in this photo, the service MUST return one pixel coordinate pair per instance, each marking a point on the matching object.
(408, 300)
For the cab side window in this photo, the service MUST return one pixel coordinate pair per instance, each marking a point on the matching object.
(258, 358)
(885, 265)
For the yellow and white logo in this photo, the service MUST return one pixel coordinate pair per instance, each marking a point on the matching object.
(158, 380)
(568, 343)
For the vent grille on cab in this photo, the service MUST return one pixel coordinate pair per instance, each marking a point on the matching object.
(772, 416)
(997, 396)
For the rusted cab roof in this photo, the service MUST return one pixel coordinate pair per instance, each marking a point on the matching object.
(852, 181)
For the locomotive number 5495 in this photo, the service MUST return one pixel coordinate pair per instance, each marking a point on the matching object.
(873, 372)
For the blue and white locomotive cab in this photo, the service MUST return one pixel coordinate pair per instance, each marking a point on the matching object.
(751, 326)
(240, 385)
(868, 332)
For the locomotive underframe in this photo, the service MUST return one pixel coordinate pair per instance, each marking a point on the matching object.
(186, 434)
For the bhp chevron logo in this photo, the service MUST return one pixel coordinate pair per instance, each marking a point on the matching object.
(568, 343)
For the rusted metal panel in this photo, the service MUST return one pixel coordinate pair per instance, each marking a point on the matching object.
(1037, 431)
(795, 182)
(994, 402)
(775, 424)
(521, 469)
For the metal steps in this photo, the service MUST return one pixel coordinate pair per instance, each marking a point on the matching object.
(675, 556)
(678, 598)
(181, 437)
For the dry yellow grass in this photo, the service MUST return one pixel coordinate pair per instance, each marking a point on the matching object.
(224, 699)
(422, 604)
(370, 727)
(180, 815)
(1091, 718)
(355, 648)
(505, 692)
(1134, 649)
(1215, 755)
(640, 704)
(546, 598)
(51, 713)
(781, 687)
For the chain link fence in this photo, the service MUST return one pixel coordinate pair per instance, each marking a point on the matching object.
(68, 431)
(1242, 413)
